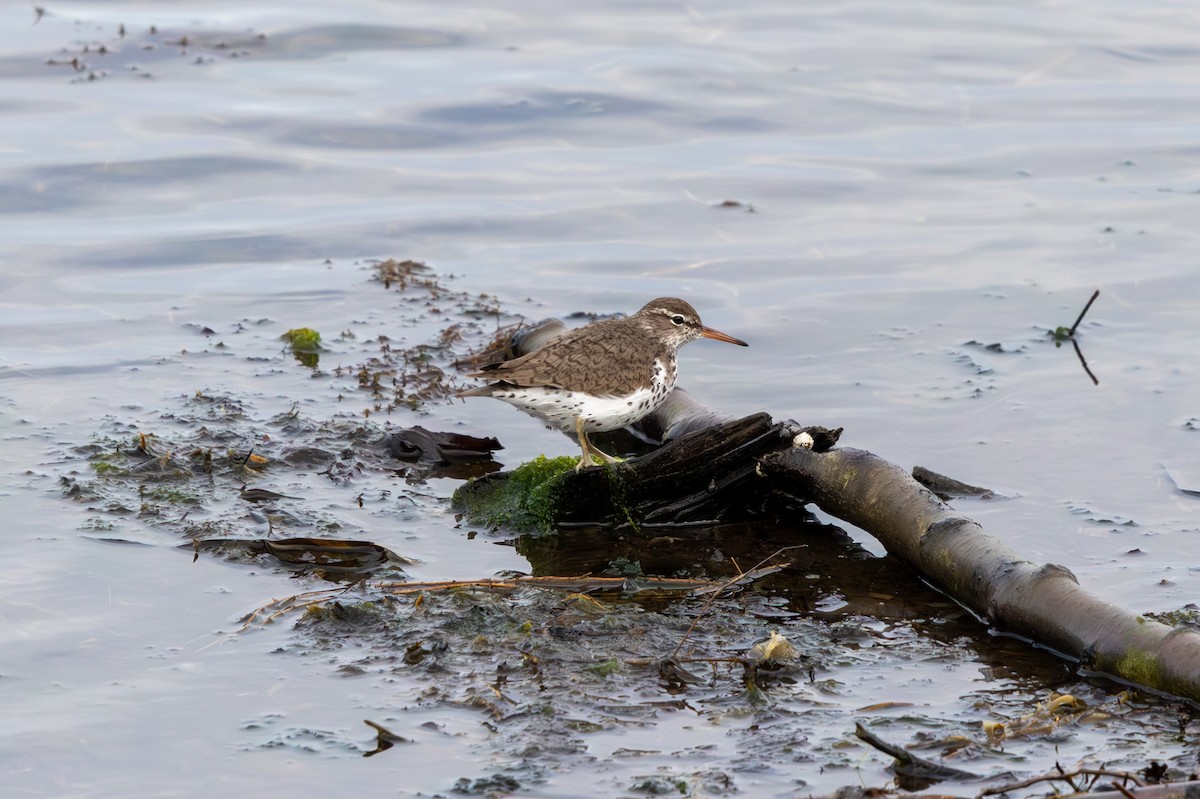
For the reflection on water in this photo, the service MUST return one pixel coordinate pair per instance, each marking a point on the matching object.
(928, 182)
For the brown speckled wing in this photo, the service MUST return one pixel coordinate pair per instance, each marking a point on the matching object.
(610, 358)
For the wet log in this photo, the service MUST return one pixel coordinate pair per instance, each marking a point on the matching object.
(1041, 603)
(702, 477)
(698, 477)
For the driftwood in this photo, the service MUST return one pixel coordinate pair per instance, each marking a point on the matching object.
(910, 765)
(708, 470)
(697, 478)
(452, 455)
(334, 558)
(703, 477)
(1042, 603)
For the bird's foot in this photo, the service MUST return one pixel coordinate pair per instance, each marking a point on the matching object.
(589, 449)
(589, 459)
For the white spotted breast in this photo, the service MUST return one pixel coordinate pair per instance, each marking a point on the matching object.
(559, 408)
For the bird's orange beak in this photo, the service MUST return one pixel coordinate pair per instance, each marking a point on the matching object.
(708, 332)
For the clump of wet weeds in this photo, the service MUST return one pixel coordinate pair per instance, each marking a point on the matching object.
(524, 503)
(303, 339)
(306, 345)
(548, 669)
(363, 614)
(495, 785)
(544, 667)
(211, 469)
(406, 274)
(1186, 616)
(208, 473)
(407, 375)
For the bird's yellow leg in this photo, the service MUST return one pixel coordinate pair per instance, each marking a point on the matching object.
(589, 449)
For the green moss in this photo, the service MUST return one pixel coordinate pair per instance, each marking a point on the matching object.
(524, 500)
(171, 496)
(352, 614)
(303, 339)
(306, 345)
(539, 480)
(607, 668)
(619, 494)
(1140, 667)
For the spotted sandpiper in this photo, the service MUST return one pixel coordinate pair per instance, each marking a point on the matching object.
(602, 376)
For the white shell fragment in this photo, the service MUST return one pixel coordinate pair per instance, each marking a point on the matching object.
(802, 441)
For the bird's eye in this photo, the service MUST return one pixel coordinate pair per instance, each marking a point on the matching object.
(677, 319)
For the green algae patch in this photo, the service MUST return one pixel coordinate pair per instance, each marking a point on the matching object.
(305, 343)
(303, 339)
(545, 494)
(523, 500)
(605, 668)
(1140, 667)
(619, 496)
(169, 496)
(350, 614)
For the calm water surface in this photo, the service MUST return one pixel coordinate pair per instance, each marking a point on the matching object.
(916, 185)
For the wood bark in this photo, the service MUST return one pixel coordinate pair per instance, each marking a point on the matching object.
(1041, 603)
(695, 478)
(702, 477)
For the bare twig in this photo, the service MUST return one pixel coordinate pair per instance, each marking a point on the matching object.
(1083, 361)
(909, 764)
(1068, 776)
(1083, 313)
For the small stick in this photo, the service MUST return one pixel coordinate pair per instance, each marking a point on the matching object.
(1082, 360)
(1128, 793)
(1083, 313)
(909, 764)
(1095, 772)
